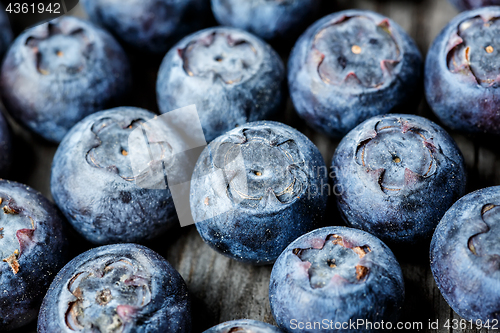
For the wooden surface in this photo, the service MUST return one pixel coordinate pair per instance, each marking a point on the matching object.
(224, 289)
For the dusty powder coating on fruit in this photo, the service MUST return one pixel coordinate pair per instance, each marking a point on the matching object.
(338, 274)
(376, 57)
(276, 20)
(96, 187)
(33, 247)
(334, 258)
(121, 283)
(117, 288)
(462, 72)
(465, 255)
(396, 176)
(468, 54)
(230, 75)
(149, 25)
(16, 230)
(232, 60)
(77, 69)
(352, 60)
(257, 188)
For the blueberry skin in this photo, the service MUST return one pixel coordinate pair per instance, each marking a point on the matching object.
(339, 274)
(57, 73)
(463, 5)
(230, 75)
(285, 176)
(334, 86)
(267, 19)
(244, 326)
(33, 248)
(396, 175)
(5, 147)
(93, 183)
(149, 25)
(464, 255)
(124, 286)
(465, 94)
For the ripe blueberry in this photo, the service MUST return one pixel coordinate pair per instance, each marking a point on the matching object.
(350, 66)
(149, 25)
(230, 75)
(396, 175)
(268, 19)
(465, 255)
(94, 185)
(33, 248)
(117, 288)
(336, 274)
(58, 72)
(462, 72)
(257, 188)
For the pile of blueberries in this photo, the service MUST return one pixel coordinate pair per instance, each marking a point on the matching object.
(398, 179)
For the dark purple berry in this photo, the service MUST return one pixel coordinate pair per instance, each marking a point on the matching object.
(117, 288)
(334, 276)
(59, 72)
(465, 255)
(396, 175)
(33, 248)
(350, 66)
(230, 75)
(462, 72)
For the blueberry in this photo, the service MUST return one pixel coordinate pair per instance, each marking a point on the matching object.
(117, 288)
(462, 72)
(33, 249)
(350, 66)
(5, 147)
(94, 185)
(231, 76)
(243, 326)
(268, 19)
(58, 72)
(472, 4)
(334, 276)
(396, 175)
(257, 188)
(149, 25)
(465, 255)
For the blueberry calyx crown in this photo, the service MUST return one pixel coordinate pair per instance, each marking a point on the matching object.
(112, 151)
(261, 167)
(336, 260)
(356, 51)
(397, 155)
(108, 297)
(60, 49)
(485, 242)
(16, 232)
(474, 50)
(232, 60)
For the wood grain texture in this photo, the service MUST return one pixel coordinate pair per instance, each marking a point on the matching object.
(223, 289)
